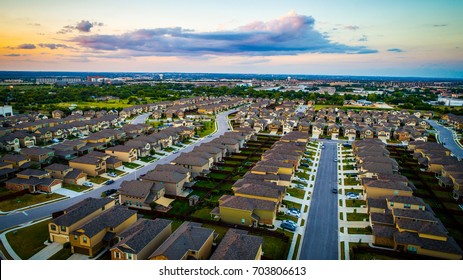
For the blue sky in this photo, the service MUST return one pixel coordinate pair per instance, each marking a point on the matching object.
(357, 37)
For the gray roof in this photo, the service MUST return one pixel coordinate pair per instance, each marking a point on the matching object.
(191, 160)
(414, 214)
(137, 236)
(406, 238)
(140, 189)
(238, 245)
(188, 237)
(164, 176)
(261, 190)
(108, 219)
(172, 168)
(74, 174)
(58, 167)
(81, 210)
(33, 172)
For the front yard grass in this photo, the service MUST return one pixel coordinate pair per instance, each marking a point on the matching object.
(97, 179)
(296, 248)
(357, 217)
(131, 165)
(366, 230)
(298, 193)
(355, 202)
(350, 181)
(76, 188)
(27, 241)
(147, 159)
(291, 204)
(27, 200)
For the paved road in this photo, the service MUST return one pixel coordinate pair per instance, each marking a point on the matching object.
(321, 233)
(446, 136)
(141, 118)
(8, 221)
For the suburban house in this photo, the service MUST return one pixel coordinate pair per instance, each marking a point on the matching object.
(189, 242)
(122, 152)
(245, 211)
(101, 230)
(39, 155)
(173, 178)
(141, 239)
(69, 219)
(260, 190)
(386, 187)
(143, 148)
(140, 194)
(34, 181)
(91, 165)
(196, 165)
(66, 173)
(239, 245)
(18, 161)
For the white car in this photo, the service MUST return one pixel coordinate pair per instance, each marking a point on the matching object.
(87, 184)
(293, 213)
(112, 174)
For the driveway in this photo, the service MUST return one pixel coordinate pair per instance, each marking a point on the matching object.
(321, 233)
(78, 257)
(66, 192)
(48, 251)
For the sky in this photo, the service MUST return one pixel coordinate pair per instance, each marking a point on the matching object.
(410, 38)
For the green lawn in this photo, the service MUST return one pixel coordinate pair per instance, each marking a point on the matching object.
(102, 104)
(147, 159)
(169, 149)
(131, 165)
(343, 254)
(208, 128)
(348, 167)
(76, 188)
(296, 192)
(179, 207)
(282, 217)
(27, 241)
(203, 213)
(357, 216)
(355, 202)
(62, 254)
(351, 181)
(205, 184)
(97, 179)
(226, 168)
(27, 200)
(118, 172)
(296, 248)
(217, 175)
(291, 204)
(218, 229)
(366, 230)
(274, 248)
(302, 175)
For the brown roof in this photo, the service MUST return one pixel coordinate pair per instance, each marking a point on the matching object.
(135, 188)
(261, 190)
(120, 148)
(386, 184)
(410, 238)
(58, 167)
(164, 176)
(245, 203)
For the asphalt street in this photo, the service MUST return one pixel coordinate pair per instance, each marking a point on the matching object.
(321, 233)
(446, 137)
(17, 218)
(141, 118)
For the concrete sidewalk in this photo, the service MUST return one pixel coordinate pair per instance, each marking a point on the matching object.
(66, 192)
(48, 251)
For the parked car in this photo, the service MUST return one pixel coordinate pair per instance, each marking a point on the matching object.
(175, 152)
(352, 196)
(290, 221)
(112, 174)
(288, 226)
(304, 164)
(109, 192)
(334, 190)
(293, 212)
(109, 182)
(87, 184)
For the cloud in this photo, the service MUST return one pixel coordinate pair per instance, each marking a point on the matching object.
(12, 54)
(53, 46)
(34, 24)
(364, 38)
(439, 25)
(23, 47)
(289, 35)
(352, 27)
(396, 50)
(82, 26)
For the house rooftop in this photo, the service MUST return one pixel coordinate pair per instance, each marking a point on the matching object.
(238, 245)
(244, 203)
(135, 188)
(80, 210)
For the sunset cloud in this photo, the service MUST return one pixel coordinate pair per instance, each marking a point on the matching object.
(289, 35)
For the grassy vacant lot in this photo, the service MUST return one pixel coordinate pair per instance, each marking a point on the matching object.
(102, 104)
(97, 179)
(76, 188)
(131, 165)
(27, 200)
(296, 192)
(357, 217)
(27, 241)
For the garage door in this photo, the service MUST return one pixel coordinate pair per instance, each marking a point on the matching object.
(83, 251)
(55, 187)
(60, 239)
(80, 181)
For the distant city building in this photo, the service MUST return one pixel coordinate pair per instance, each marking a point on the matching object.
(450, 101)
(6, 111)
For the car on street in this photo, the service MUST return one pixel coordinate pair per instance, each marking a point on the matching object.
(323, 146)
(334, 190)
(288, 226)
(87, 184)
(109, 182)
(110, 192)
(175, 152)
(112, 174)
(335, 160)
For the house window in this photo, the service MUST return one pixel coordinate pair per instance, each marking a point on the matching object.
(75, 237)
(411, 249)
(84, 239)
(392, 204)
(63, 228)
(53, 227)
(243, 221)
(420, 207)
(129, 256)
(102, 208)
(407, 206)
(396, 192)
(117, 255)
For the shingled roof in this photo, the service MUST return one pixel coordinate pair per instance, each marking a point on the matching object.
(244, 203)
(238, 245)
(80, 210)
